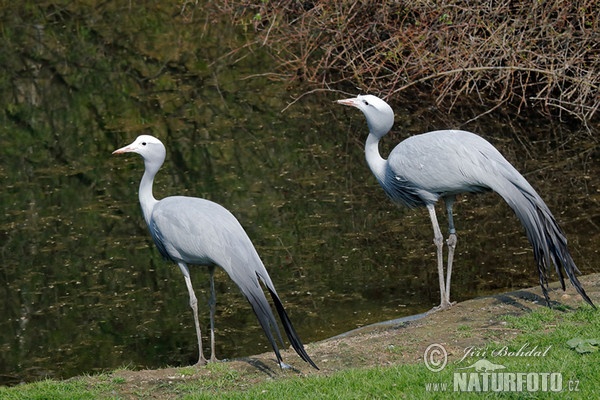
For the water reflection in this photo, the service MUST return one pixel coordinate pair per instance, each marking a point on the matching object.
(85, 290)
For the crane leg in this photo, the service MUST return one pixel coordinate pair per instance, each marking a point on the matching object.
(451, 242)
(438, 240)
(194, 305)
(212, 303)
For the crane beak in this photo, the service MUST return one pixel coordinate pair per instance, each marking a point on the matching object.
(349, 102)
(122, 150)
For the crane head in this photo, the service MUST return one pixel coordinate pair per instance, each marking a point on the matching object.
(150, 148)
(379, 114)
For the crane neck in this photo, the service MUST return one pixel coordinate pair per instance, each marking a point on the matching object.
(376, 162)
(147, 200)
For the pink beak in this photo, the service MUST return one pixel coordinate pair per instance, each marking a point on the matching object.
(122, 150)
(348, 102)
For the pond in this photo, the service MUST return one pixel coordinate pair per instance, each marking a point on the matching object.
(85, 290)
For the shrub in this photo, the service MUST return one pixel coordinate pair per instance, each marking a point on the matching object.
(542, 54)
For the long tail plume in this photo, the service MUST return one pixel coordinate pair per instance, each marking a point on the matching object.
(289, 329)
(265, 317)
(257, 299)
(546, 237)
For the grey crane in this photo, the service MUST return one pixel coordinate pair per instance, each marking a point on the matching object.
(191, 230)
(441, 164)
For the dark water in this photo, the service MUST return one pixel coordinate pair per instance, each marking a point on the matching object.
(84, 289)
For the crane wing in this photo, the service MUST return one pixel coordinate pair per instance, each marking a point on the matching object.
(441, 163)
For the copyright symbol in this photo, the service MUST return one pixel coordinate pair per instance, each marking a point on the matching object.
(435, 357)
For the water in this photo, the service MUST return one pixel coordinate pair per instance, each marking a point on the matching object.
(84, 289)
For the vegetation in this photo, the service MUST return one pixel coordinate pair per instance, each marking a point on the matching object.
(541, 54)
(544, 328)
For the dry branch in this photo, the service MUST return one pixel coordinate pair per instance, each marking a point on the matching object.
(543, 54)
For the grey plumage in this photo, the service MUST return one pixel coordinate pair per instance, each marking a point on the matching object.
(189, 230)
(441, 164)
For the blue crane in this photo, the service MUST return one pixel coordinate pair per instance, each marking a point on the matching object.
(441, 164)
(190, 230)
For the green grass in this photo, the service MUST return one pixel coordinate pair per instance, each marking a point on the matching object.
(542, 330)
(50, 390)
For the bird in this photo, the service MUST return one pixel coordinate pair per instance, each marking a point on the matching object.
(191, 230)
(441, 164)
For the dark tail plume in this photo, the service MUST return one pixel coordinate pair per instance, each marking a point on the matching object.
(265, 317)
(546, 237)
(257, 299)
(289, 329)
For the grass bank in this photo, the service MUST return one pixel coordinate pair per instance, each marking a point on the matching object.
(529, 351)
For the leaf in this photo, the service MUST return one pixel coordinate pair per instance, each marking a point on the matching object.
(583, 346)
(573, 343)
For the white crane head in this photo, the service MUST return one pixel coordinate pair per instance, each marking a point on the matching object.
(144, 145)
(150, 148)
(379, 114)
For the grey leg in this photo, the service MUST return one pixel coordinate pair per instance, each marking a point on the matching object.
(451, 243)
(438, 240)
(212, 303)
(194, 305)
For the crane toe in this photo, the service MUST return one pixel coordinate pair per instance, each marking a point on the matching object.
(443, 306)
